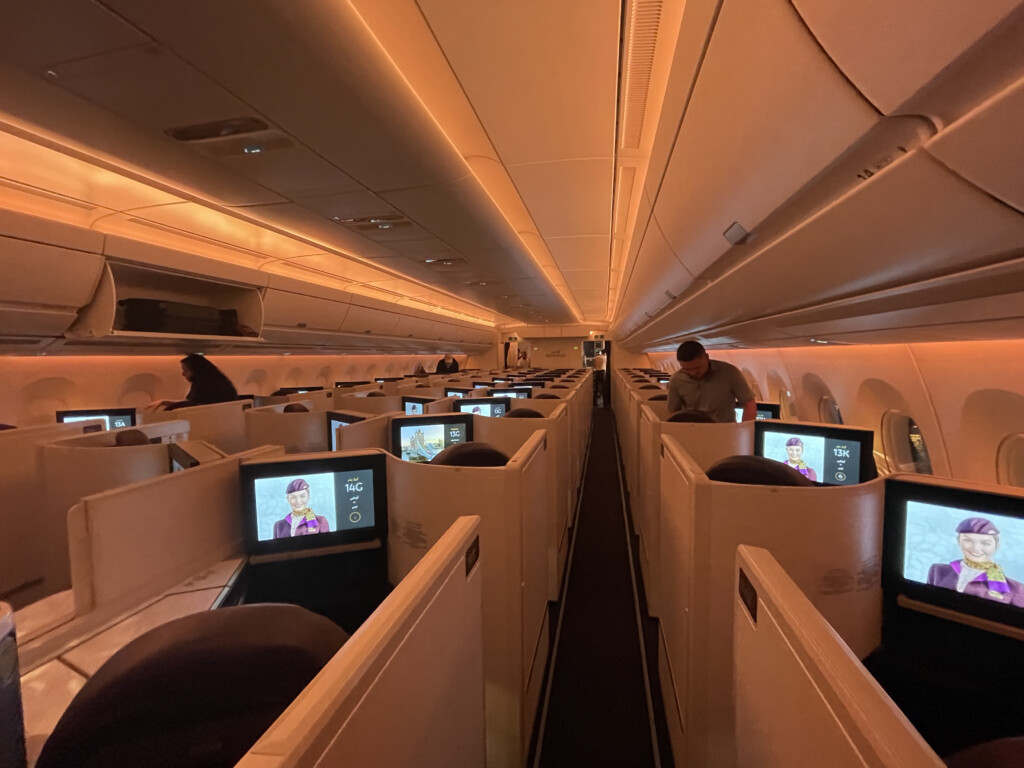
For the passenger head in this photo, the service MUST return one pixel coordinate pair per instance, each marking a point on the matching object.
(978, 539)
(693, 359)
(130, 437)
(297, 494)
(209, 384)
(295, 408)
(448, 358)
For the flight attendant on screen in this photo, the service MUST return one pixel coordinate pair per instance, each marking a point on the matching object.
(301, 521)
(794, 458)
(976, 573)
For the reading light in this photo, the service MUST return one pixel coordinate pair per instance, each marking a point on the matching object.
(253, 149)
(384, 225)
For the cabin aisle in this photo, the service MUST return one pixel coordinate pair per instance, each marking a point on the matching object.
(598, 711)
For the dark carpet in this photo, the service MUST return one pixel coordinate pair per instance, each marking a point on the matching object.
(598, 712)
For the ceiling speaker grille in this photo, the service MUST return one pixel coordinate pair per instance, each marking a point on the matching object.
(640, 42)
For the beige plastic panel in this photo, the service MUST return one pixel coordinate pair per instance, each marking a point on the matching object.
(983, 146)
(890, 48)
(49, 232)
(911, 221)
(570, 197)
(46, 275)
(284, 308)
(655, 271)
(377, 321)
(768, 113)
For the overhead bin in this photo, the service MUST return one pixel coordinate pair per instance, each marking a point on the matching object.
(141, 302)
(301, 312)
(50, 271)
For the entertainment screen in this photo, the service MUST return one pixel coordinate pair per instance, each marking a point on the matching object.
(297, 390)
(308, 504)
(483, 406)
(384, 379)
(337, 419)
(481, 384)
(113, 418)
(340, 384)
(503, 392)
(957, 548)
(823, 454)
(420, 439)
(458, 391)
(413, 406)
(764, 411)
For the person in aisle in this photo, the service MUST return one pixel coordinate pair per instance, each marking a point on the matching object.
(600, 371)
(448, 364)
(208, 385)
(712, 386)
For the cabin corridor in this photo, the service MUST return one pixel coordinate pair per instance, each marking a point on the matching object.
(596, 709)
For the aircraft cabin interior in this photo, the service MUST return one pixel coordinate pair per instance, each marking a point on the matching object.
(547, 383)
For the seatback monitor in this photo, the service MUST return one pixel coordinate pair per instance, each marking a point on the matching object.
(420, 438)
(297, 390)
(483, 406)
(337, 419)
(510, 392)
(341, 384)
(458, 391)
(481, 384)
(312, 504)
(764, 411)
(113, 418)
(413, 406)
(821, 453)
(957, 548)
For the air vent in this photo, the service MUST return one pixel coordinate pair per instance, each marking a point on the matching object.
(236, 126)
(640, 42)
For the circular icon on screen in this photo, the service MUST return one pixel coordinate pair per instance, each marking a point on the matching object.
(840, 476)
(354, 517)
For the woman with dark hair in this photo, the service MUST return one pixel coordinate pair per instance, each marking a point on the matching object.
(976, 572)
(209, 385)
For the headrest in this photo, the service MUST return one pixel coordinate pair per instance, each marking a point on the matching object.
(523, 413)
(560, 386)
(755, 470)
(543, 396)
(655, 398)
(295, 408)
(696, 417)
(199, 689)
(649, 386)
(130, 437)
(375, 393)
(472, 454)
(990, 754)
(7, 426)
(422, 386)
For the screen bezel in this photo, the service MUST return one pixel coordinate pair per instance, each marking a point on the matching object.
(864, 437)
(465, 391)
(898, 491)
(95, 413)
(498, 391)
(345, 384)
(248, 473)
(406, 399)
(178, 454)
(482, 384)
(482, 401)
(432, 418)
(336, 416)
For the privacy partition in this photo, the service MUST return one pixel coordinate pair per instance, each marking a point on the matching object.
(302, 432)
(827, 538)
(220, 424)
(801, 695)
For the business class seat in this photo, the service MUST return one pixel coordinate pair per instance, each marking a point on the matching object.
(755, 470)
(472, 454)
(130, 437)
(560, 386)
(657, 398)
(523, 413)
(1001, 753)
(295, 408)
(375, 393)
(196, 691)
(695, 417)
(649, 386)
(547, 396)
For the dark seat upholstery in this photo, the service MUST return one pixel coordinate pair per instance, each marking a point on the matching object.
(756, 470)
(375, 393)
(130, 437)
(560, 386)
(472, 454)
(422, 386)
(546, 396)
(523, 413)
(649, 386)
(197, 691)
(696, 417)
(1001, 753)
(295, 408)
(656, 398)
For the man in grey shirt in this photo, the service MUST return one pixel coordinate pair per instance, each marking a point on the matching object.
(712, 386)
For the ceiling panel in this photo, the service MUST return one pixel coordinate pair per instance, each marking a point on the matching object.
(350, 205)
(541, 75)
(571, 197)
(579, 252)
(587, 279)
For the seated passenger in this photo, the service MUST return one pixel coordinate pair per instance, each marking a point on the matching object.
(976, 573)
(295, 408)
(131, 437)
(209, 385)
(419, 370)
(301, 521)
(448, 364)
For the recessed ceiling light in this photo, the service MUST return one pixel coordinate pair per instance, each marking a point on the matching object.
(384, 225)
(429, 261)
(252, 149)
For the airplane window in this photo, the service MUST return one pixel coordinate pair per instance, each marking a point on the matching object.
(1010, 461)
(787, 406)
(904, 445)
(828, 411)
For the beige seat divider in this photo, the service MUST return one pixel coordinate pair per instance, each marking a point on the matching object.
(373, 432)
(829, 540)
(423, 501)
(297, 432)
(705, 444)
(508, 435)
(87, 464)
(441, 405)
(367, 404)
(221, 424)
(24, 562)
(407, 690)
(317, 400)
(801, 696)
